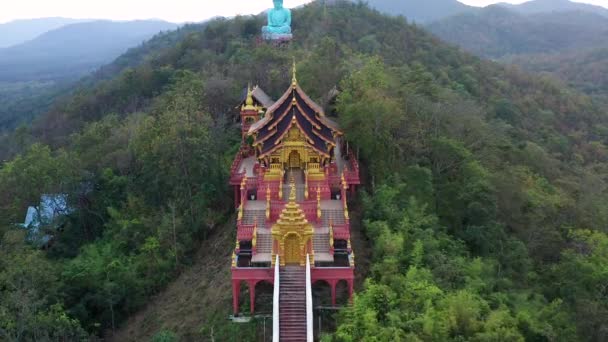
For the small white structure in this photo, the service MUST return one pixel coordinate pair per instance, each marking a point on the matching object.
(45, 215)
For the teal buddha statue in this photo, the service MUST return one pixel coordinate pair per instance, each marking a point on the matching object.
(279, 22)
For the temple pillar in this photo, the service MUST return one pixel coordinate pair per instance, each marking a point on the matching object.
(236, 290)
(350, 289)
(332, 285)
(252, 296)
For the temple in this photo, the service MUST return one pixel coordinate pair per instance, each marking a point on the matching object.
(292, 178)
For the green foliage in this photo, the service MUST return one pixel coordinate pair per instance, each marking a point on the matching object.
(165, 336)
(475, 176)
(31, 307)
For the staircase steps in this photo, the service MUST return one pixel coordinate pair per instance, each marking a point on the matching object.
(292, 305)
(320, 243)
(250, 216)
(336, 217)
(264, 243)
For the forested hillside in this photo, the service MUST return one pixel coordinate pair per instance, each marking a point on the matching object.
(586, 70)
(484, 202)
(566, 44)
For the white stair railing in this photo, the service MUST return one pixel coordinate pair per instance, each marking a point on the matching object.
(309, 327)
(275, 303)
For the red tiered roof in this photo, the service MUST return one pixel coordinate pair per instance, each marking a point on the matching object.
(295, 108)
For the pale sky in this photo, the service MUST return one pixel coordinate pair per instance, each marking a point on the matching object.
(170, 10)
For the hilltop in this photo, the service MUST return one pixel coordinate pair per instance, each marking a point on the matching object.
(484, 207)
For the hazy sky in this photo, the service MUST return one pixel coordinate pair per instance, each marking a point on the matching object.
(171, 10)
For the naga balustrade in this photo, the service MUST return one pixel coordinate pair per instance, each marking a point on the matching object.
(244, 232)
(309, 316)
(275, 302)
(341, 231)
(352, 175)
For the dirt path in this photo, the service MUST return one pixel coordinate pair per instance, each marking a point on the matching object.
(200, 292)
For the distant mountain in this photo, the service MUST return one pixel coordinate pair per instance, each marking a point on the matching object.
(542, 6)
(496, 32)
(20, 31)
(426, 11)
(420, 10)
(571, 45)
(74, 50)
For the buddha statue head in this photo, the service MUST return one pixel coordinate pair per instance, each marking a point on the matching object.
(278, 4)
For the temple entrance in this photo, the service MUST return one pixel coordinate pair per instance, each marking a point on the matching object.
(294, 159)
(292, 249)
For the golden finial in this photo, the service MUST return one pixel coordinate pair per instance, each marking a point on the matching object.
(254, 238)
(331, 234)
(292, 193)
(306, 184)
(249, 101)
(319, 212)
(294, 79)
(281, 185)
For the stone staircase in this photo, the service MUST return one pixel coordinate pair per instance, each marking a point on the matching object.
(249, 217)
(336, 216)
(264, 243)
(320, 243)
(292, 304)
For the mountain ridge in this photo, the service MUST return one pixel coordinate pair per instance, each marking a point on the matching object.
(496, 31)
(429, 11)
(22, 30)
(540, 6)
(73, 50)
